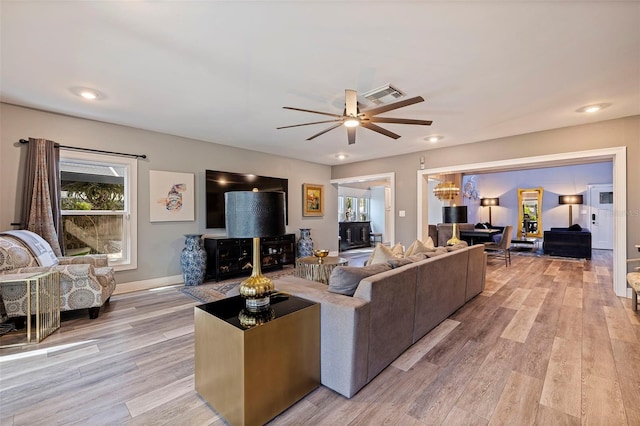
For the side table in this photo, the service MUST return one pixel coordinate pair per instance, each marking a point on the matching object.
(251, 374)
(310, 269)
(43, 301)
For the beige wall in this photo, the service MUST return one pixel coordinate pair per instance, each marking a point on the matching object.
(604, 134)
(159, 244)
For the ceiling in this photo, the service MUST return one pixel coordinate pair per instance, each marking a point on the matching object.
(221, 71)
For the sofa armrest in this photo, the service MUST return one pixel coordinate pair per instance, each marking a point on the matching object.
(97, 260)
(344, 334)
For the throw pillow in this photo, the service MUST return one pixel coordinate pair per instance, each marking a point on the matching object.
(398, 250)
(382, 253)
(575, 227)
(420, 247)
(345, 279)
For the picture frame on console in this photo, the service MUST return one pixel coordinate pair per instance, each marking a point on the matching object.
(312, 199)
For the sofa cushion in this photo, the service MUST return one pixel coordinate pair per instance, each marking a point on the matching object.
(402, 261)
(345, 279)
(437, 252)
(460, 245)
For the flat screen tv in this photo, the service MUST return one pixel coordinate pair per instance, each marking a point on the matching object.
(217, 183)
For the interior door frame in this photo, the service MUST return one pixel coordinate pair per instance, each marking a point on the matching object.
(391, 177)
(617, 155)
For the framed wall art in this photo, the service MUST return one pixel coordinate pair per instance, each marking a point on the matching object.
(171, 196)
(312, 199)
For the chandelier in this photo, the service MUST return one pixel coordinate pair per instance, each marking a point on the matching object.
(446, 191)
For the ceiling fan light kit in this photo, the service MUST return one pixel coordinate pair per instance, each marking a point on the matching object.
(352, 117)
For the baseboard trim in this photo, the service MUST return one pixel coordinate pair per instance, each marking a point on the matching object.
(147, 284)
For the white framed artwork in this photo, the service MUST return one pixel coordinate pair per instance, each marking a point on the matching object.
(171, 196)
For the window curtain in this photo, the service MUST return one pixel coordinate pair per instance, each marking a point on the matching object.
(41, 198)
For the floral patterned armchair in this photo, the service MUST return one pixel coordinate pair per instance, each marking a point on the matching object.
(85, 281)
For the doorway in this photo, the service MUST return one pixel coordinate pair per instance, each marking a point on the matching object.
(600, 205)
(379, 211)
(617, 155)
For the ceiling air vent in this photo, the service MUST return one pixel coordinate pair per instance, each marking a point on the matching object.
(383, 94)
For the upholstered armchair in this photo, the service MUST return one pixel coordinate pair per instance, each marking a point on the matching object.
(85, 281)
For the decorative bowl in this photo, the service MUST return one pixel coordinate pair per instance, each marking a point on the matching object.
(320, 254)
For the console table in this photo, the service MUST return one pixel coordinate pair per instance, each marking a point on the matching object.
(228, 257)
(354, 235)
(251, 374)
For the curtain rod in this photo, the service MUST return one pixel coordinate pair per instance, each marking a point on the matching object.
(23, 141)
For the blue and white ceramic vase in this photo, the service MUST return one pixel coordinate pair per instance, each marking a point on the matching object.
(305, 243)
(193, 260)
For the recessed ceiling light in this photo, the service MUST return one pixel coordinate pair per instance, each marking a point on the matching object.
(592, 108)
(341, 156)
(86, 93)
(433, 138)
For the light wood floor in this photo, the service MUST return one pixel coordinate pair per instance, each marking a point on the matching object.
(547, 343)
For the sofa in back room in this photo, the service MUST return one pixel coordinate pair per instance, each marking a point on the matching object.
(389, 311)
(568, 242)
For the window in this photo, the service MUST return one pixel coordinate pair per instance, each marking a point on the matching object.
(99, 206)
(353, 208)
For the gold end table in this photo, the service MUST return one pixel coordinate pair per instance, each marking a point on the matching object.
(250, 374)
(311, 269)
(43, 301)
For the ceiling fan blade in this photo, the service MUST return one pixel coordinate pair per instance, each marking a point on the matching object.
(307, 124)
(380, 130)
(324, 131)
(399, 121)
(314, 112)
(351, 135)
(351, 102)
(395, 105)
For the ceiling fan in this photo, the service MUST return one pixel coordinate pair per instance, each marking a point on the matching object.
(352, 117)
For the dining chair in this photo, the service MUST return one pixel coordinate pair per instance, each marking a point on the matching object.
(501, 249)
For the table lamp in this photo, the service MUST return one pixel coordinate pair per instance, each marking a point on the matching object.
(254, 214)
(454, 214)
(570, 200)
(488, 202)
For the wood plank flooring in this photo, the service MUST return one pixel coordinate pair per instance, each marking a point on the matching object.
(547, 343)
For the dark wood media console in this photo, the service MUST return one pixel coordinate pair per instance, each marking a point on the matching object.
(227, 257)
(354, 235)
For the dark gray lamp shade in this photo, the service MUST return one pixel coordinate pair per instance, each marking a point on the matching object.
(488, 202)
(251, 214)
(454, 214)
(570, 199)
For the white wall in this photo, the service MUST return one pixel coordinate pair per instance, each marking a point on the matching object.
(159, 243)
(565, 180)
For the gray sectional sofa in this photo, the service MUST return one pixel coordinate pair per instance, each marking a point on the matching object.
(390, 311)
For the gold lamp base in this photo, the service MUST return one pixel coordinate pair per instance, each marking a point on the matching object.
(257, 289)
(454, 237)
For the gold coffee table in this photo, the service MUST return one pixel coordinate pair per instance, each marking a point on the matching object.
(309, 268)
